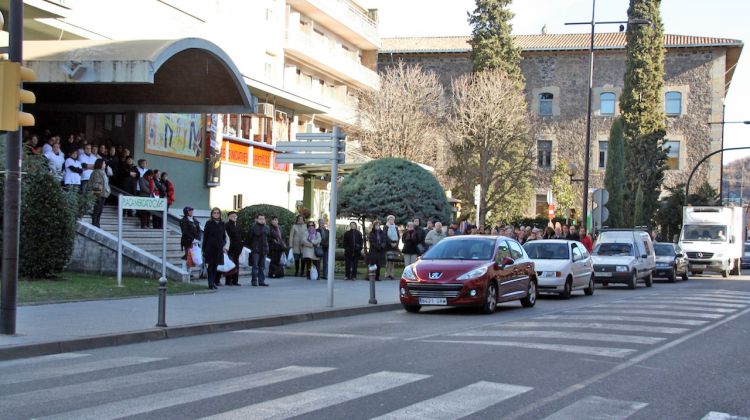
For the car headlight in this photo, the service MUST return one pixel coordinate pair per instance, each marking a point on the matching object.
(622, 268)
(408, 273)
(718, 255)
(477, 272)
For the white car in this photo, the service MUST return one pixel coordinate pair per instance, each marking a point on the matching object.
(562, 266)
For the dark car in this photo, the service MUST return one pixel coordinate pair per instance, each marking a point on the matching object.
(476, 271)
(746, 256)
(670, 262)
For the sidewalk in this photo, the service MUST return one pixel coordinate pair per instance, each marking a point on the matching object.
(62, 327)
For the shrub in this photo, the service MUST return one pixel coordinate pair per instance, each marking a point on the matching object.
(246, 217)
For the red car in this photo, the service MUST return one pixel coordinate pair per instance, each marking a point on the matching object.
(470, 271)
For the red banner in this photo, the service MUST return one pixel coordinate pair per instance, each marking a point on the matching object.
(239, 153)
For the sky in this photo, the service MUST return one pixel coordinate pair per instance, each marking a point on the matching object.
(717, 18)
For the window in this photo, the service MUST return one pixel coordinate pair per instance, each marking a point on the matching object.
(544, 153)
(541, 205)
(607, 103)
(516, 251)
(577, 255)
(603, 150)
(673, 154)
(237, 201)
(673, 103)
(545, 103)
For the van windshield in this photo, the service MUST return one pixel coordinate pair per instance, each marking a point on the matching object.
(704, 233)
(614, 250)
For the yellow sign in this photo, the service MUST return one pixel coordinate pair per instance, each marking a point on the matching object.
(175, 135)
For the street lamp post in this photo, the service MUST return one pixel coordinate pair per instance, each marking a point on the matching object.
(586, 165)
(721, 162)
(572, 169)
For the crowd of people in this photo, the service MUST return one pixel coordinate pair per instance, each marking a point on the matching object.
(84, 166)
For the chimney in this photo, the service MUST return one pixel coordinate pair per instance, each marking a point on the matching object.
(544, 30)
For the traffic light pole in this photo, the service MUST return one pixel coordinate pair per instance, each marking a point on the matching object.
(12, 193)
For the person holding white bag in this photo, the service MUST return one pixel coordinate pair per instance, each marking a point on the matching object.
(214, 239)
(232, 277)
(309, 259)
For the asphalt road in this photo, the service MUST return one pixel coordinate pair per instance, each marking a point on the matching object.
(674, 351)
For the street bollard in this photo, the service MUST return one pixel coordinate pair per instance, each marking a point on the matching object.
(162, 302)
(371, 275)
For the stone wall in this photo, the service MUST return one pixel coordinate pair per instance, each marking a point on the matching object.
(696, 73)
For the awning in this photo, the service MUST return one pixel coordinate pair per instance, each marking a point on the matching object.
(189, 75)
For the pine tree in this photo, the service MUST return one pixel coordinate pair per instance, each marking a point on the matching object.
(638, 214)
(641, 105)
(491, 42)
(614, 178)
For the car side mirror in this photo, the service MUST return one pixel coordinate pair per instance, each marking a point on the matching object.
(680, 255)
(506, 262)
(644, 256)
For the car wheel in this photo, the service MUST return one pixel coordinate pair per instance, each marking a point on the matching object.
(633, 280)
(649, 280)
(736, 268)
(530, 299)
(490, 299)
(672, 277)
(412, 308)
(724, 273)
(588, 291)
(685, 276)
(567, 289)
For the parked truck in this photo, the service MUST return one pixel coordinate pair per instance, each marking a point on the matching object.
(712, 238)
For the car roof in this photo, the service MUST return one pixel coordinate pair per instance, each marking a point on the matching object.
(553, 241)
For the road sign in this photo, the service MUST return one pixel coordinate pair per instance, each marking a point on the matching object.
(308, 158)
(313, 148)
(315, 136)
(551, 211)
(143, 203)
(323, 146)
(600, 216)
(600, 196)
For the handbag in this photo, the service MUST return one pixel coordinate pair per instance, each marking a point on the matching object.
(393, 256)
(227, 266)
(319, 251)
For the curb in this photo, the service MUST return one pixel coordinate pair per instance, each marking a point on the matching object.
(153, 334)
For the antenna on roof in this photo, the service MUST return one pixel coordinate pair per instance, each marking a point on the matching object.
(544, 29)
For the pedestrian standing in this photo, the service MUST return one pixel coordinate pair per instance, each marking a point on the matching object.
(258, 244)
(324, 235)
(436, 235)
(73, 171)
(157, 190)
(144, 190)
(297, 233)
(352, 250)
(190, 230)
(391, 248)
(56, 162)
(573, 234)
(168, 189)
(87, 159)
(411, 240)
(422, 234)
(232, 277)
(99, 186)
(376, 253)
(309, 242)
(214, 239)
(277, 247)
(586, 239)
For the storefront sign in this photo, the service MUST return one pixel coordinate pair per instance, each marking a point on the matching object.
(142, 203)
(175, 135)
(261, 158)
(239, 153)
(279, 166)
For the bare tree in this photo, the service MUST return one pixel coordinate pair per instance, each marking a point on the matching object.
(404, 118)
(491, 143)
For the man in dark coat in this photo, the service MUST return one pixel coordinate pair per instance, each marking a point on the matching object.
(257, 241)
(352, 249)
(232, 278)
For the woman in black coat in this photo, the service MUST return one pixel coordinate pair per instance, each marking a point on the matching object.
(214, 239)
(376, 254)
(352, 250)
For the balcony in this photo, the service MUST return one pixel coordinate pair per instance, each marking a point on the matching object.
(330, 59)
(341, 107)
(344, 17)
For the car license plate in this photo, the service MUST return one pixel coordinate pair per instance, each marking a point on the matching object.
(607, 274)
(698, 266)
(433, 301)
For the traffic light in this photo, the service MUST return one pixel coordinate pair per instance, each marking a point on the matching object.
(12, 96)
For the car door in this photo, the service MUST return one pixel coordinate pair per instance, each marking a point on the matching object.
(504, 276)
(521, 268)
(577, 267)
(587, 264)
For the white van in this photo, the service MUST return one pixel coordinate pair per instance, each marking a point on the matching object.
(712, 238)
(624, 256)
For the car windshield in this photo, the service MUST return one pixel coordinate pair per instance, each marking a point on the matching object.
(461, 249)
(547, 251)
(614, 250)
(664, 250)
(747, 247)
(704, 232)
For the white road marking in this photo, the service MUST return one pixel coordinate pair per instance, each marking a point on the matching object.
(459, 403)
(596, 325)
(42, 359)
(110, 384)
(647, 312)
(592, 351)
(715, 415)
(139, 405)
(682, 302)
(314, 334)
(47, 373)
(568, 335)
(657, 305)
(599, 408)
(625, 318)
(703, 298)
(323, 397)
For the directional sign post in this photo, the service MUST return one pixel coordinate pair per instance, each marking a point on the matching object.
(319, 148)
(600, 197)
(141, 203)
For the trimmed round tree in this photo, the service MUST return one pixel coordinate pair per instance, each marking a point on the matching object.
(393, 186)
(246, 217)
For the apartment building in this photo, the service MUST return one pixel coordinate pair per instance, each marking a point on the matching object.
(227, 78)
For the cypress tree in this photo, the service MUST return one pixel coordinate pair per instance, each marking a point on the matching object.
(638, 215)
(641, 105)
(614, 178)
(491, 42)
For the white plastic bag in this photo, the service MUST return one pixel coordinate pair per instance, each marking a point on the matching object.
(313, 273)
(227, 266)
(245, 257)
(197, 255)
(282, 260)
(267, 264)
(290, 259)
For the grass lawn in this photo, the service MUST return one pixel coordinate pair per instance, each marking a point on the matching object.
(79, 286)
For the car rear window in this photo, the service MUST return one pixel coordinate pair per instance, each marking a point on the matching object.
(664, 250)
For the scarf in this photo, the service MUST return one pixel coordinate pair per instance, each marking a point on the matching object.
(392, 233)
(311, 234)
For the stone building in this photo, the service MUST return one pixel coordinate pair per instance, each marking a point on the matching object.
(698, 72)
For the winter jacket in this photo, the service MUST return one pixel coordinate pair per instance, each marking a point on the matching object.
(410, 239)
(99, 183)
(376, 254)
(391, 231)
(433, 237)
(275, 240)
(257, 238)
(324, 234)
(353, 243)
(298, 232)
(308, 247)
(235, 236)
(190, 232)
(213, 242)
(168, 192)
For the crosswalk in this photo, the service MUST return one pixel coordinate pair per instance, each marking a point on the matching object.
(315, 396)
(618, 330)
